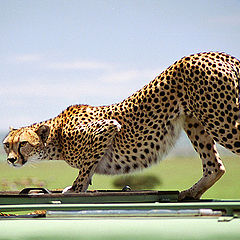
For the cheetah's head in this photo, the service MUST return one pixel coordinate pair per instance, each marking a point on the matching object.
(25, 145)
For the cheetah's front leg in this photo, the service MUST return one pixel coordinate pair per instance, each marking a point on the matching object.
(93, 140)
(213, 167)
(82, 181)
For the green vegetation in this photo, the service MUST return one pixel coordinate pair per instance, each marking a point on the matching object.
(175, 173)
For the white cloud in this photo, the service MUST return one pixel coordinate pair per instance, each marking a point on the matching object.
(109, 83)
(232, 20)
(112, 84)
(125, 76)
(103, 83)
(64, 90)
(111, 72)
(27, 58)
(79, 65)
(46, 62)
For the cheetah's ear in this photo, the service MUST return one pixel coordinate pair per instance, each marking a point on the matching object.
(43, 133)
(11, 128)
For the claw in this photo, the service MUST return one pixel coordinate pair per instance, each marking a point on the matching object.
(90, 181)
(67, 190)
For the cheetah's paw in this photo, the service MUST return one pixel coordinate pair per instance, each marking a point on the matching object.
(67, 190)
(187, 195)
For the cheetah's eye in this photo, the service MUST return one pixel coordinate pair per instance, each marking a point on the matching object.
(6, 145)
(23, 143)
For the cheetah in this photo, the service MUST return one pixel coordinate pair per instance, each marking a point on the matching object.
(199, 93)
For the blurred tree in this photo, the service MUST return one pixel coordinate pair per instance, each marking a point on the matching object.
(137, 182)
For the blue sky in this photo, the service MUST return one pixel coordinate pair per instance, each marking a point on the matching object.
(57, 53)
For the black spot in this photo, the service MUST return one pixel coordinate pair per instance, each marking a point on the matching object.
(222, 131)
(146, 150)
(189, 132)
(149, 137)
(229, 146)
(118, 167)
(127, 169)
(209, 163)
(209, 146)
(139, 145)
(145, 165)
(234, 131)
(180, 95)
(201, 145)
(237, 144)
(229, 136)
(135, 165)
(134, 158)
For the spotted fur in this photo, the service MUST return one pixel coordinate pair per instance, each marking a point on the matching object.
(199, 93)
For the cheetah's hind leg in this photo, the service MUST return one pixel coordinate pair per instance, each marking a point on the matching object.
(213, 167)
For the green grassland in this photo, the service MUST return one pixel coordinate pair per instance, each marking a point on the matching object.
(174, 173)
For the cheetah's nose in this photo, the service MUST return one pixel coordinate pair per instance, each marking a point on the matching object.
(12, 160)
